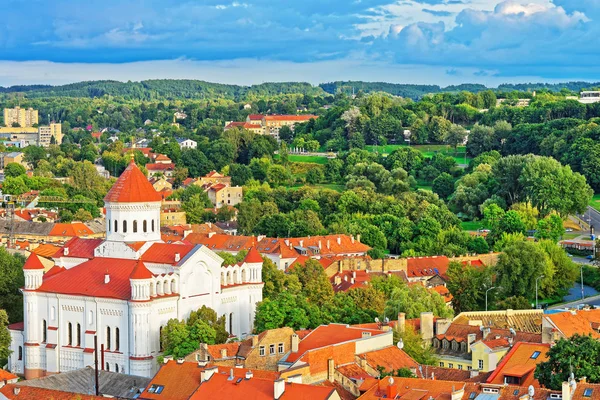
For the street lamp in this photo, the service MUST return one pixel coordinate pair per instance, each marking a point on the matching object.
(486, 295)
(582, 293)
(536, 290)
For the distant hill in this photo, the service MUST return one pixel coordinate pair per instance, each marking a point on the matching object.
(170, 89)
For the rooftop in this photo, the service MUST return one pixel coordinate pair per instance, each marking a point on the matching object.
(132, 187)
(520, 362)
(571, 322)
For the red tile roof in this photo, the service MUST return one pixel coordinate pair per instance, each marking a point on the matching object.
(140, 272)
(214, 174)
(253, 256)
(17, 326)
(290, 117)
(87, 279)
(160, 167)
(71, 229)
(520, 364)
(391, 358)
(132, 187)
(33, 262)
(53, 271)
(46, 250)
(255, 117)
(164, 253)
(79, 248)
(35, 393)
(412, 389)
(7, 376)
(569, 323)
(327, 335)
(350, 280)
(222, 242)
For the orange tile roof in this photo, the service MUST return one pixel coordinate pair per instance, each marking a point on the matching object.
(350, 280)
(391, 358)
(132, 187)
(231, 348)
(570, 323)
(327, 335)
(518, 362)
(253, 256)
(70, 229)
(140, 272)
(164, 253)
(413, 389)
(33, 262)
(255, 117)
(79, 248)
(7, 376)
(290, 117)
(35, 393)
(46, 250)
(460, 332)
(162, 157)
(159, 167)
(222, 242)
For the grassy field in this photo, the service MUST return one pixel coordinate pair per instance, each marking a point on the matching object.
(472, 225)
(304, 159)
(595, 202)
(428, 150)
(424, 186)
(570, 235)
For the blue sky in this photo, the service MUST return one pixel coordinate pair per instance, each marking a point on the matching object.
(251, 41)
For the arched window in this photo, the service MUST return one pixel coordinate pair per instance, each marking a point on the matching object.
(44, 331)
(107, 366)
(230, 322)
(107, 338)
(20, 353)
(125, 226)
(70, 334)
(135, 226)
(78, 335)
(90, 317)
(145, 226)
(117, 340)
(109, 225)
(52, 313)
(116, 367)
(152, 225)
(160, 342)
(116, 226)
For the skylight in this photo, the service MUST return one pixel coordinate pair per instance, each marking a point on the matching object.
(535, 355)
(588, 392)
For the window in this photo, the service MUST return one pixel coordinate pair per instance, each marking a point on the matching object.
(107, 338)
(271, 349)
(145, 226)
(52, 313)
(442, 364)
(450, 365)
(44, 331)
(78, 335)
(157, 389)
(280, 348)
(70, 334)
(124, 226)
(152, 225)
(116, 367)
(480, 364)
(535, 354)
(20, 353)
(107, 366)
(469, 368)
(472, 395)
(261, 351)
(90, 317)
(116, 226)
(135, 226)
(160, 342)
(588, 392)
(512, 380)
(117, 340)
(108, 225)
(460, 367)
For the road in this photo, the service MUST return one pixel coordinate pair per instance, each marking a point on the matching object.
(591, 216)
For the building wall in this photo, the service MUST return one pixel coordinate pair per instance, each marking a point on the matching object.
(268, 362)
(25, 117)
(228, 196)
(171, 218)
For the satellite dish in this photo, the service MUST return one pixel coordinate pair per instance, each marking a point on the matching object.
(400, 344)
(376, 319)
(512, 332)
(391, 380)
(387, 320)
(481, 328)
(531, 391)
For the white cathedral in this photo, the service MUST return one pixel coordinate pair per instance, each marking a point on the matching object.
(124, 289)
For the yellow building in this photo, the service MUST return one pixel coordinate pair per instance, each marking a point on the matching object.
(14, 157)
(485, 355)
(25, 117)
(40, 136)
(272, 123)
(46, 133)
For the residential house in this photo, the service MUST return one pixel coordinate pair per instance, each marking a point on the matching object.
(221, 195)
(518, 366)
(14, 157)
(273, 123)
(563, 325)
(187, 143)
(213, 178)
(256, 128)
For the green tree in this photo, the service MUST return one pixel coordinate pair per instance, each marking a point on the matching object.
(550, 227)
(4, 338)
(414, 347)
(456, 135)
(414, 300)
(579, 355)
(314, 175)
(14, 169)
(519, 266)
(315, 283)
(443, 185)
(467, 285)
(194, 208)
(83, 215)
(176, 339)
(209, 317)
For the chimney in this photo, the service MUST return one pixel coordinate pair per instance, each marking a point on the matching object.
(337, 279)
(66, 251)
(231, 376)
(295, 378)
(471, 338)
(208, 373)
(278, 388)
(427, 326)
(211, 234)
(339, 240)
(106, 278)
(567, 392)
(180, 360)
(249, 375)
(352, 239)
(331, 369)
(353, 274)
(223, 353)
(301, 243)
(366, 335)
(346, 278)
(295, 343)
(401, 322)
(287, 242)
(442, 325)
(392, 390)
(486, 331)
(16, 390)
(358, 238)
(352, 281)
(328, 244)
(166, 359)
(320, 247)
(432, 376)
(177, 257)
(254, 340)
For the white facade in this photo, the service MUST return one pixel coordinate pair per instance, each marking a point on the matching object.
(61, 319)
(187, 143)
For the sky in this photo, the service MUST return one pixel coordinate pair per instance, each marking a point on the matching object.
(252, 41)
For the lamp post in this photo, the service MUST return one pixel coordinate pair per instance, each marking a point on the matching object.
(486, 295)
(536, 290)
(582, 293)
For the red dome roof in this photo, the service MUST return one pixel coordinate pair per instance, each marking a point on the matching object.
(33, 262)
(253, 256)
(140, 272)
(132, 187)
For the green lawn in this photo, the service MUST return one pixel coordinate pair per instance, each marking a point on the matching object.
(428, 150)
(307, 159)
(570, 235)
(472, 225)
(424, 186)
(595, 202)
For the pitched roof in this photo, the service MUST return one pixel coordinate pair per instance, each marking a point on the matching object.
(413, 389)
(391, 358)
(141, 272)
(253, 256)
(70, 229)
(132, 187)
(520, 320)
(33, 262)
(160, 167)
(33, 393)
(164, 253)
(461, 332)
(290, 117)
(7, 376)
(520, 362)
(571, 322)
(327, 335)
(221, 241)
(87, 279)
(255, 117)
(350, 280)
(79, 248)
(46, 250)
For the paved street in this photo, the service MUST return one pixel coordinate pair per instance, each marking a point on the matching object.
(592, 217)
